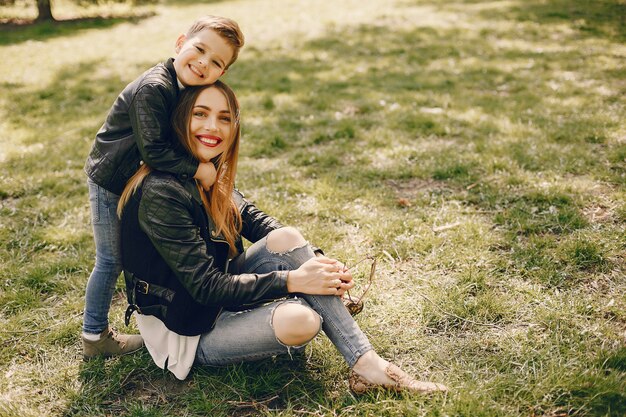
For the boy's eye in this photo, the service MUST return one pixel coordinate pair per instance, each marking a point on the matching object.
(217, 64)
(199, 49)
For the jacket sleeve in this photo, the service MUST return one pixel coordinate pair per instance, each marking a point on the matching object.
(150, 118)
(166, 216)
(255, 223)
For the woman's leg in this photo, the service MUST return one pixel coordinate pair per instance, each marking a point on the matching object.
(286, 249)
(295, 324)
(272, 329)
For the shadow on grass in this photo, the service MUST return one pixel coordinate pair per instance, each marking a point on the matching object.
(134, 385)
(12, 33)
(319, 118)
(450, 88)
(335, 111)
(60, 109)
(599, 18)
(402, 75)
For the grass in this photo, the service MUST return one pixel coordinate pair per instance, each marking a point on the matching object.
(477, 147)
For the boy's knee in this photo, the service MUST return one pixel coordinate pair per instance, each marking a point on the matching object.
(285, 239)
(295, 324)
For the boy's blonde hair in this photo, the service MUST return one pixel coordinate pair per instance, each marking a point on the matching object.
(227, 28)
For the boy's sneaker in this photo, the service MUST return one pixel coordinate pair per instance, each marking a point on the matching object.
(111, 343)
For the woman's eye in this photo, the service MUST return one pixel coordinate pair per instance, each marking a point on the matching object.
(199, 114)
(225, 119)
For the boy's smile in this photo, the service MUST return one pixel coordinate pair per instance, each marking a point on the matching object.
(202, 58)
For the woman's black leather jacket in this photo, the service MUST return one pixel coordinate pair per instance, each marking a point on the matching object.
(174, 261)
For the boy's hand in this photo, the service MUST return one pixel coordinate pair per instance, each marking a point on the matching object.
(206, 174)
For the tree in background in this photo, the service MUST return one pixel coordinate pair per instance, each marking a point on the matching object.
(17, 10)
(44, 11)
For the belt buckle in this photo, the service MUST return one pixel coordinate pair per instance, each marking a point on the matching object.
(142, 287)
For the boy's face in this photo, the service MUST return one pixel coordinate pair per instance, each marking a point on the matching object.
(201, 58)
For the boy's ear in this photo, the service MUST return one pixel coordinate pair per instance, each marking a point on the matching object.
(179, 42)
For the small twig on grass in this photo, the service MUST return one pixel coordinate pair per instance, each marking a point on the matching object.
(424, 184)
(446, 227)
(157, 391)
(127, 377)
(388, 255)
(254, 403)
(262, 403)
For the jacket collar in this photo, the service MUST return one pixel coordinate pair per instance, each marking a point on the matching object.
(169, 66)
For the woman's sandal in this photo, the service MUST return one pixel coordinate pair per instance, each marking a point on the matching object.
(402, 382)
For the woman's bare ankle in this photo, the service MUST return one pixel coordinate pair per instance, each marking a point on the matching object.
(372, 368)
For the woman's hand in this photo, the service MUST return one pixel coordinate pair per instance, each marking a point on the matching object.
(346, 280)
(320, 276)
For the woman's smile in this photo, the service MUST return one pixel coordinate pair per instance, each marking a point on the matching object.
(210, 128)
(209, 140)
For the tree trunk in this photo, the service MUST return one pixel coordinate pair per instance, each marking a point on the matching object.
(44, 10)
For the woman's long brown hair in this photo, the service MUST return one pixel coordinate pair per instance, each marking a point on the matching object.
(218, 200)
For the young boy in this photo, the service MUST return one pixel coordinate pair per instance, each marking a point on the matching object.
(137, 130)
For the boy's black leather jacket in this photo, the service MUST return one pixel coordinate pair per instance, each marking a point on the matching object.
(174, 261)
(138, 127)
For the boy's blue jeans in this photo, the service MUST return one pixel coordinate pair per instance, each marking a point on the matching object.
(101, 284)
(248, 335)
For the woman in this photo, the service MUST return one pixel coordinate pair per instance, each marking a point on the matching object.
(200, 294)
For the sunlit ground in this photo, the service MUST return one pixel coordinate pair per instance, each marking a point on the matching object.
(477, 148)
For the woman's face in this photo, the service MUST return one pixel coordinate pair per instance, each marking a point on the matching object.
(211, 124)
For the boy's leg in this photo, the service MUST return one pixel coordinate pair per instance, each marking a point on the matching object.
(338, 324)
(98, 339)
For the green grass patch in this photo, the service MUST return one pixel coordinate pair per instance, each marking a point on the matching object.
(477, 148)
